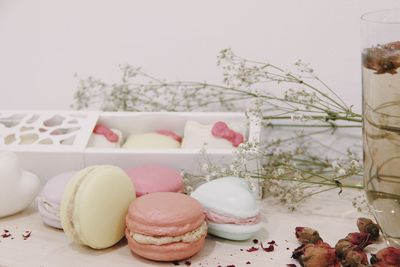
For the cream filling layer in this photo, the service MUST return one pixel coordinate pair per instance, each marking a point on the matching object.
(189, 237)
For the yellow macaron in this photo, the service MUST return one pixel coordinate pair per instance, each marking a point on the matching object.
(94, 206)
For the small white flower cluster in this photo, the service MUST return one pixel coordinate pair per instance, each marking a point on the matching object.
(255, 114)
(346, 166)
(361, 204)
(301, 96)
(247, 153)
(300, 117)
(303, 67)
(289, 194)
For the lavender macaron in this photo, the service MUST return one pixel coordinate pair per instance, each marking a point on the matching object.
(50, 199)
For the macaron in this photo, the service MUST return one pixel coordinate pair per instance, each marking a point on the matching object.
(105, 137)
(155, 178)
(49, 199)
(219, 135)
(165, 226)
(230, 208)
(151, 141)
(94, 206)
(18, 188)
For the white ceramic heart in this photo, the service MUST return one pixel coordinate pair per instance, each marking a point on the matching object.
(18, 188)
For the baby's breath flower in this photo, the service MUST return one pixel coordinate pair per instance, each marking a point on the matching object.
(258, 89)
(205, 167)
(341, 172)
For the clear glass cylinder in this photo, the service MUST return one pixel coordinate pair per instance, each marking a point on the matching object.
(381, 118)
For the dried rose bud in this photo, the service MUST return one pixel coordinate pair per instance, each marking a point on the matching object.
(297, 252)
(307, 235)
(383, 59)
(319, 255)
(393, 45)
(386, 257)
(359, 239)
(342, 247)
(354, 258)
(366, 225)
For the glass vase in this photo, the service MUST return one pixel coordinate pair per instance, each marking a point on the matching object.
(381, 118)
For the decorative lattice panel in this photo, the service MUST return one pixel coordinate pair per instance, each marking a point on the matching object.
(45, 128)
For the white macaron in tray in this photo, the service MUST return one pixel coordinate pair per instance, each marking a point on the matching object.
(51, 142)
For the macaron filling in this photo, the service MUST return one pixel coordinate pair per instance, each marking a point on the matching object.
(188, 237)
(219, 218)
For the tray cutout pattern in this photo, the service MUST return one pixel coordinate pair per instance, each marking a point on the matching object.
(42, 128)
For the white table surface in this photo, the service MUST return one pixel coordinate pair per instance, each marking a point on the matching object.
(333, 215)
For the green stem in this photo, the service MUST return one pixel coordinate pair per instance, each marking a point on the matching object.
(325, 118)
(309, 182)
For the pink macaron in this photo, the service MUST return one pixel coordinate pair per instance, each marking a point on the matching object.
(165, 226)
(155, 178)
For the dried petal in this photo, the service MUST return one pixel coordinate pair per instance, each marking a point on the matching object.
(267, 249)
(252, 249)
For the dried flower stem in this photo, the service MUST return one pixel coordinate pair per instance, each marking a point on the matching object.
(289, 168)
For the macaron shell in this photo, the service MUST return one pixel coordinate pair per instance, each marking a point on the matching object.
(227, 196)
(234, 231)
(170, 252)
(150, 141)
(48, 218)
(154, 178)
(99, 197)
(164, 214)
(49, 200)
(53, 190)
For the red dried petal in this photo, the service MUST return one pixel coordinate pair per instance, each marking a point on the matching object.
(6, 235)
(252, 249)
(26, 235)
(268, 249)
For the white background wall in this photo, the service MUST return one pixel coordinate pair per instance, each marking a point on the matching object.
(44, 43)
